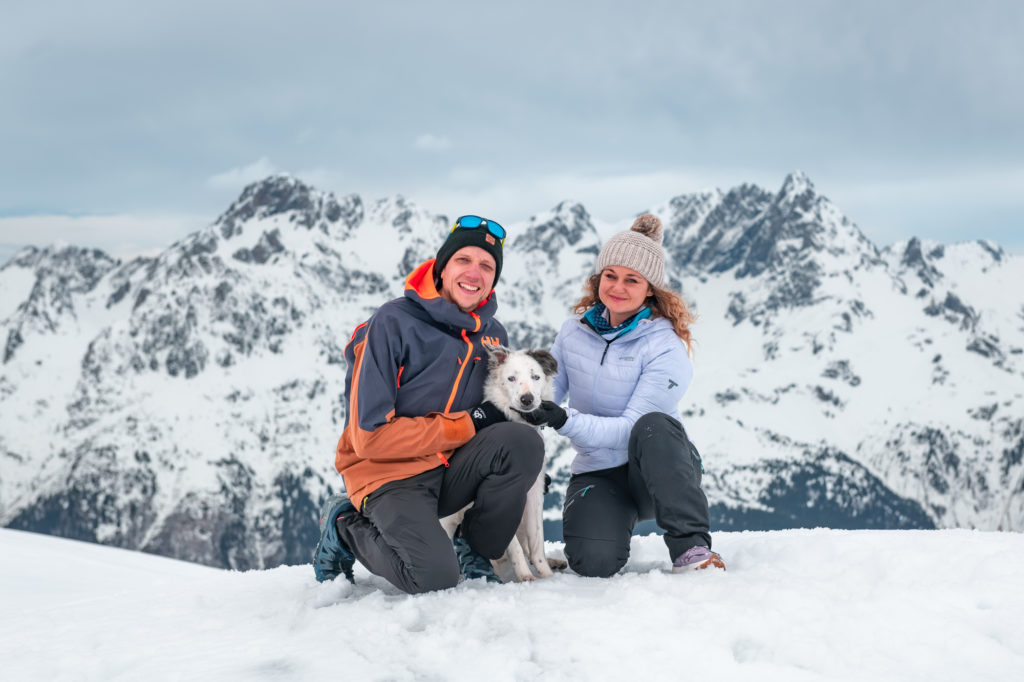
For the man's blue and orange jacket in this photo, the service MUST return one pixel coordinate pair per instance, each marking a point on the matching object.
(414, 368)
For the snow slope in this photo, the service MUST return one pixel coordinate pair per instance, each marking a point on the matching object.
(794, 605)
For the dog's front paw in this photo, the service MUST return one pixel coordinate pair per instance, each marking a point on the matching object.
(557, 564)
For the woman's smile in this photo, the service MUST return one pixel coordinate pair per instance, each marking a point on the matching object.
(623, 292)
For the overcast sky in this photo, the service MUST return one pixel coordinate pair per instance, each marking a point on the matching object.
(127, 124)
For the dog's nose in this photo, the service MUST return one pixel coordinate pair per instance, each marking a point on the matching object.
(526, 399)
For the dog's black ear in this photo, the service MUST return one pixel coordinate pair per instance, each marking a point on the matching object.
(546, 361)
(496, 355)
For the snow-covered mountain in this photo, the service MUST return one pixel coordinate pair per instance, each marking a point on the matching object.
(189, 404)
(872, 375)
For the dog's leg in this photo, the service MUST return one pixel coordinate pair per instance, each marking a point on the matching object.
(514, 555)
(531, 530)
(452, 521)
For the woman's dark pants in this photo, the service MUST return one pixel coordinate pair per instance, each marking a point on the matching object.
(660, 481)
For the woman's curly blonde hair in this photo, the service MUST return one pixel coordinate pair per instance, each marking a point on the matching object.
(663, 303)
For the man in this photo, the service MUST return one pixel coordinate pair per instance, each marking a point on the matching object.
(419, 443)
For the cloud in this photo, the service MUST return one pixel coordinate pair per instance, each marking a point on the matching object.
(432, 143)
(122, 236)
(240, 176)
(613, 197)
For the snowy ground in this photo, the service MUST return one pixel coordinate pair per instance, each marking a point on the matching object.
(794, 605)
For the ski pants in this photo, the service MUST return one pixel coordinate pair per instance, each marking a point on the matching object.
(661, 481)
(397, 536)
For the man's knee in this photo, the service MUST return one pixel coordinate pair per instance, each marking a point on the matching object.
(595, 558)
(523, 442)
(442, 575)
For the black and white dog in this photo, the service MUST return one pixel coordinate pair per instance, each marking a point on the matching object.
(520, 380)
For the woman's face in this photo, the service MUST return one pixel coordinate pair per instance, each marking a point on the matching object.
(623, 292)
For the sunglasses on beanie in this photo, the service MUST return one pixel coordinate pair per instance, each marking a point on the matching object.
(472, 222)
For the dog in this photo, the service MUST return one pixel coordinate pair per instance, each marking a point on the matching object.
(517, 381)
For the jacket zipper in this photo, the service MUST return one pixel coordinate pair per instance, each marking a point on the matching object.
(458, 378)
(584, 321)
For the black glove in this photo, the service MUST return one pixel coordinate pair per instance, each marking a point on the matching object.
(548, 414)
(485, 414)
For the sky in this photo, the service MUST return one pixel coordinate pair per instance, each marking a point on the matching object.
(792, 606)
(126, 125)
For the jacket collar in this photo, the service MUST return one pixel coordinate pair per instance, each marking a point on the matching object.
(642, 327)
(419, 287)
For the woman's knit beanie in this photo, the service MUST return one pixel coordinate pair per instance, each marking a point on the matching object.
(638, 248)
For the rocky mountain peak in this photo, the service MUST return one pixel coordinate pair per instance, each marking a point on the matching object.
(914, 259)
(568, 226)
(801, 224)
(796, 186)
(284, 195)
(396, 211)
(62, 272)
(992, 249)
(750, 230)
(687, 210)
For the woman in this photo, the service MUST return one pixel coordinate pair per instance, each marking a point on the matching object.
(623, 361)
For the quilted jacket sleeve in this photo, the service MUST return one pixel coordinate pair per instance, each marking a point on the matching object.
(665, 376)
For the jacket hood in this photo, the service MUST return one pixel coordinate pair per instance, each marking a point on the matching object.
(419, 287)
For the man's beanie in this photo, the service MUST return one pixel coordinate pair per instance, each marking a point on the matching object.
(478, 236)
(638, 248)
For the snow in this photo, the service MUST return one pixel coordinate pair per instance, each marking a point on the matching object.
(794, 605)
(16, 284)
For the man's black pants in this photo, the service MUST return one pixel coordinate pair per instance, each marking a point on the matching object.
(660, 481)
(398, 536)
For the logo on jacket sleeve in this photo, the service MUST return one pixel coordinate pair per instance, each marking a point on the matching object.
(490, 341)
(671, 384)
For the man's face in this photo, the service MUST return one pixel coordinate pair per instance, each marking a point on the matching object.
(467, 277)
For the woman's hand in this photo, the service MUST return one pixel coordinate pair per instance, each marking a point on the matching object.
(548, 414)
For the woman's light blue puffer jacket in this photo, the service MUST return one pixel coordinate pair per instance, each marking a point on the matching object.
(646, 370)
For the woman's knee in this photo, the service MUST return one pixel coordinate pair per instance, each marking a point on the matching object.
(595, 558)
(658, 433)
(653, 423)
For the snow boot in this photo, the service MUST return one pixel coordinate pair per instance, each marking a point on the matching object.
(695, 559)
(472, 564)
(332, 556)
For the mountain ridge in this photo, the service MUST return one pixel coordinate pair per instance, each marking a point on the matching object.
(206, 393)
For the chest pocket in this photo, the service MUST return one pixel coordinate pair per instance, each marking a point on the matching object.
(618, 380)
(623, 364)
